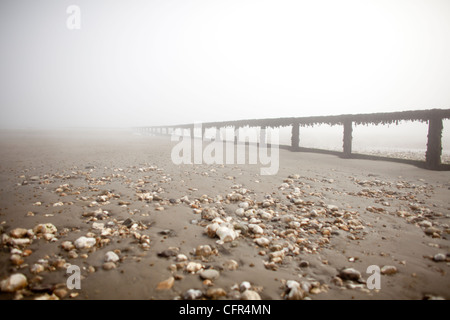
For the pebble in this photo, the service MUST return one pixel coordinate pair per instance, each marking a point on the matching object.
(250, 295)
(256, 229)
(111, 256)
(262, 242)
(215, 293)
(16, 259)
(166, 284)
(46, 296)
(193, 267)
(18, 233)
(168, 253)
(304, 264)
(84, 242)
(226, 234)
(388, 270)
(294, 291)
(21, 241)
(45, 228)
(332, 207)
(98, 226)
(181, 258)
(350, 274)
(73, 254)
(245, 285)
(60, 293)
(13, 283)
(209, 274)
(128, 223)
(439, 257)
(203, 251)
(37, 268)
(109, 265)
(192, 294)
(231, 265)
(244, 205)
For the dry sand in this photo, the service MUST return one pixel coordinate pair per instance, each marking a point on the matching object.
(385, 214)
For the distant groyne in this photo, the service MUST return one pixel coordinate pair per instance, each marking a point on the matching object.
(433, 117)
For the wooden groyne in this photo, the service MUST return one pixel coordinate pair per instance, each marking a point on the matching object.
(434, 118)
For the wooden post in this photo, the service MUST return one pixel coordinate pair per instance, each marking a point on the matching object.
(295, 133)
(262, 136)
(434, 144)
(347, 138)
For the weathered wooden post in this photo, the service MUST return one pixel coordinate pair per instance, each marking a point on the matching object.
(295, 140)
(347, 146)
(434, 144)
(262, 136)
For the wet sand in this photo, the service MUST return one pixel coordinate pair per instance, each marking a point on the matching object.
(320, 214)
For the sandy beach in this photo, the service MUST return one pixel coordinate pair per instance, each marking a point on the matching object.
(309, 232)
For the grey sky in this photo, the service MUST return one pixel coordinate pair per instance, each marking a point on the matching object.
(136, 63)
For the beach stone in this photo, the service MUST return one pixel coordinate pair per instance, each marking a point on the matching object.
(332, 207)
(109, 265)
(203, 250)
(13, 283)
(209, 214)
(16, 259)
(111, 257)
(215, 293)
(294, 291)
(128, 223)
(193, 267)
(72, 254)
(350, 274)
(431, 231)
(168, 253)
(255, 229)
(262, 242)
(244, 205)
(231, 265)
(45, 228)
(226, 234)
(60, 293)
(304, 264)
(209, 274)
(440, 257)
(18, 233)
(166, 284)
(250, 295)
(21, 241)
(245, 285)
(388, 270)
(192, 294)
(84, 242)
(37, 268)
(211, 229)
(47, 296)
(98, 226)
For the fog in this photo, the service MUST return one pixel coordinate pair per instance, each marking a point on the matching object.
(139, 63)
